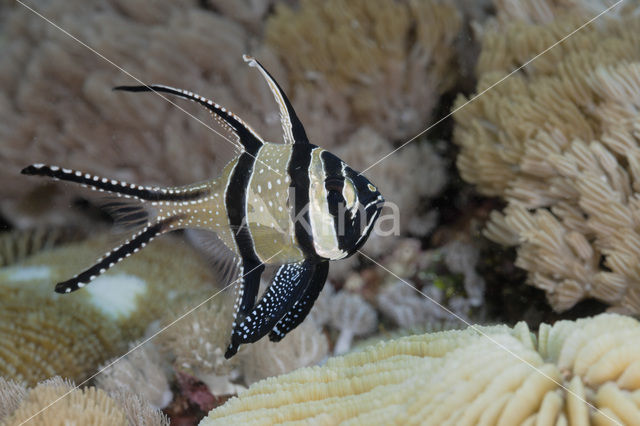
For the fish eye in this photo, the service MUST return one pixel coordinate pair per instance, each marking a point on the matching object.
(371, 187)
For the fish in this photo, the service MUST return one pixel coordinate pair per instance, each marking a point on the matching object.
(292, 205)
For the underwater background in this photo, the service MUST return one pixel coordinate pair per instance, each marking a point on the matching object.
(506, 289)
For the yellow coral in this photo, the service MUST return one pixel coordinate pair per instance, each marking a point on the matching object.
(43, 334)
(559, 141)
(376, 62)
(83, 407)
(55, 402)
(11, 393)
(501, 376)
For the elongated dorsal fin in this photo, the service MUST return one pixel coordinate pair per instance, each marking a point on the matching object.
(245, 136)
(294, 132)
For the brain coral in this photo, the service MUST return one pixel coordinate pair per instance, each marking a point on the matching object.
(55, 403)
(463, 378)
(559, 142)
(43, 334)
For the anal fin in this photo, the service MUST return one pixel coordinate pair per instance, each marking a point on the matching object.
(287, 287)
(132, 245)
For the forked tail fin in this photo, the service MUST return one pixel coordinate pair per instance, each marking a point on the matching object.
(136, 242)
(130, 190)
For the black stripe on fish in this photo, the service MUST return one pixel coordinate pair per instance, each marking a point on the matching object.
(113, 186)
(249, 139)
(287, 287)
(236, 202)
(334, 183)
(299, 172)
(132, 245)
(303, 305)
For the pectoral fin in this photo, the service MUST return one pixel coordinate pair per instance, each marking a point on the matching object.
(287, 287)
(301, 308)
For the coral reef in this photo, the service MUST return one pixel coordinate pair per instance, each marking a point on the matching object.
(305, 346)
(379, 63)
(545, 11)
(43, 334)
(488, 375)
(55, 402)
(58, 107)
(559, 142)
(446, 275)
(408, 308)
(17, 245)
(11, 393)
(351, 316)
(140, 373)
(409, 179)
(198, 342)
(250, 13)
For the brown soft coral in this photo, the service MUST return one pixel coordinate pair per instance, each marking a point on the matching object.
(57, 106)
(481, 375)
(379, 63)
(559, 141)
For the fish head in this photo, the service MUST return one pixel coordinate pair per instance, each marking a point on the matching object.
(346, 207)
(360, 216)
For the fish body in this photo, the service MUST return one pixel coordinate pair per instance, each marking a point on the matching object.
(292, 204)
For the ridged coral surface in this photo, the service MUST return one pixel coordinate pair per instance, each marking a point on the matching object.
(573, 373)
(43, 334)
(55, 402)
(91, 407)
(559, 142)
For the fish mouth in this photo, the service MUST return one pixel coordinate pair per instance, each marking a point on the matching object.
(372, 211)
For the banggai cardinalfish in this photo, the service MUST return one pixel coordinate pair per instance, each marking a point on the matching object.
(291, 204)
